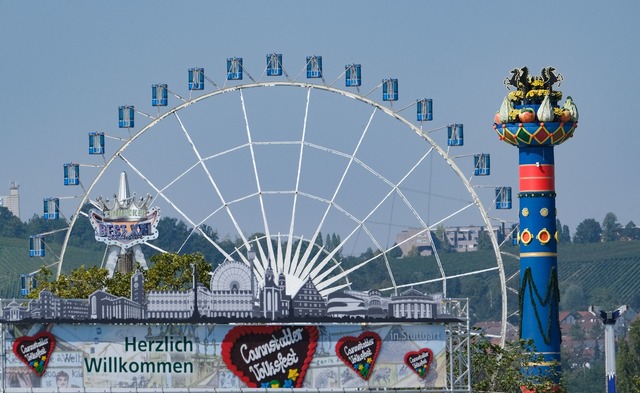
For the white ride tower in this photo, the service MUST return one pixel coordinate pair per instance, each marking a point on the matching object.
(123, 224)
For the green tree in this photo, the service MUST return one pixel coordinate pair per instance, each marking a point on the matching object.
(44, 279)
(579, 378)
(332, 241)
(37, 224)
(83, 233)
(167, 272)
(174, 272)
(573, 298)
(610, 228)
(78, 284)
(335, 242)
(368, 254)
(499, 369)
(596, 331)
(442, 242)
(588, 231)
(603, 297)
(11, 225)
(631, 231)
(597, 353)
(396, 252)
(628, 360)
(120, 284)
(319, 240)
(564, 236)
(577, 333)
(484, 241)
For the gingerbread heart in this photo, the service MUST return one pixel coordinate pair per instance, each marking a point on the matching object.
(270, 356)
(360, 353)
(35, 351)
(419, 361)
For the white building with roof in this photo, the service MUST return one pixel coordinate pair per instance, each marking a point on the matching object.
(12, 201)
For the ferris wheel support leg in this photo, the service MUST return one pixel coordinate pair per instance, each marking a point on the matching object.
(112, 259)
(138, 256)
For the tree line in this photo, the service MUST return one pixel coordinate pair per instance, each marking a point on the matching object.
(176, 236)
(174, 231)
(592, 231)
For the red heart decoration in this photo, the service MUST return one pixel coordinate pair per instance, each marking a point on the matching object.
(35, 351)
(419, 361)
(360, 353)
(270, 356)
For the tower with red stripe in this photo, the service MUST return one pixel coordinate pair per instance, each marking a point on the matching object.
(531, 119)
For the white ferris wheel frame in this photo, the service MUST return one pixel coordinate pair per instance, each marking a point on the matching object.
(310, 86)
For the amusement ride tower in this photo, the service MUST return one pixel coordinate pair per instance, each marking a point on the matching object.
(123, 224)
(531, 119)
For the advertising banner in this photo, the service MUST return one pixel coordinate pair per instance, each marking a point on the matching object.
(125, 230)
(219, 356)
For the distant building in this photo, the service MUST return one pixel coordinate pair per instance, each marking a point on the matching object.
(50, 306)
(414, 304)
(104, 305)
(582, 346)
(346, 304)
(419, 240)
(15, 311)
(460, 239)
(12, 201)
(273, 297)
(361, 304)
(308, 302)
(410, 304)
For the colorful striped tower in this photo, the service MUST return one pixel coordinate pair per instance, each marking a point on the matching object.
(531, 119)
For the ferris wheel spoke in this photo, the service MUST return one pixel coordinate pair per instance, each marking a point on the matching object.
(339, 185)
(305, 272)
(337, 277)
(279, 254)
(256, 263)
(294, 207)
(225, 152)
(440, 279)
(514, 256)
(303, 268)
(265, 222)
(213, 183)
(394, 188)
(184, 242)
(263, 257)
(329, 291)
(172, 204)
(360, 226)
(322, 275)
(435, 250)
(152, 246)
(327, 283)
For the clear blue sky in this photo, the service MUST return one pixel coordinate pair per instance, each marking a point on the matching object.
(66, 66)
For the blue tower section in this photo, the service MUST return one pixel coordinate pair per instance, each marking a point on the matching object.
(539, 294)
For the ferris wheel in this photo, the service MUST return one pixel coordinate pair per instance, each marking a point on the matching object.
(318, 179)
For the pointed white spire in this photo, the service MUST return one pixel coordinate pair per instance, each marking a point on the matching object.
(123, 189)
